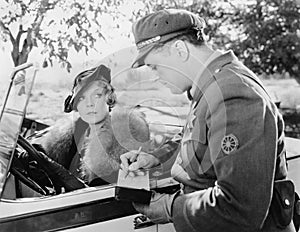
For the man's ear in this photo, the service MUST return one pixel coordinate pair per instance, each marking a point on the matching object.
(181, 50)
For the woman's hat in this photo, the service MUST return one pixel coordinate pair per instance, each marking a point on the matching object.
(82, 80)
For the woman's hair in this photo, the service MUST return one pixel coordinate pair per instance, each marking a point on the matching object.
(100, 75)
(109, 91)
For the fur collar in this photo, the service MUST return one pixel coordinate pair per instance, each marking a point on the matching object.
(122, 131)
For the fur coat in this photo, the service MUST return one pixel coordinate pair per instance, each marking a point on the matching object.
(99, 148)
(121, 132)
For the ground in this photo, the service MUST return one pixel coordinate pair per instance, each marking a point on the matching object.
(47, 99)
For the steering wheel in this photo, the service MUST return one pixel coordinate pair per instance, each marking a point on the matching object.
(54, 175)
(26, 169)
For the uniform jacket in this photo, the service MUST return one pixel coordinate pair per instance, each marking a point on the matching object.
(90, 154)
(231, 151)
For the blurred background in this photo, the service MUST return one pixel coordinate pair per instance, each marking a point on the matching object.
(66, 37)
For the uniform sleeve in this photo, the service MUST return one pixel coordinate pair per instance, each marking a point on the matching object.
(242, 193)
(168, 149)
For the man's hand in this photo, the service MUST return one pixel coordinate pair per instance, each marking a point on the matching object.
(159, 210)
(134, 160)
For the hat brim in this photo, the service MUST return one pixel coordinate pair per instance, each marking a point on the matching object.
(139, 60)
(75, 98)
(95, 76)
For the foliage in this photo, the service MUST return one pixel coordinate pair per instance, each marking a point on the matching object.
(54, 25)
(216, 13)
(269, 39)
(265, 34)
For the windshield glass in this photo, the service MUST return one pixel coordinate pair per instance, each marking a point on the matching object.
(12, 113)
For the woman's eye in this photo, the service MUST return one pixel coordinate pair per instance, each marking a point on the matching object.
(98, 95)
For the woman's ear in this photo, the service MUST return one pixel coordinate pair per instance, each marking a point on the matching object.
(181, 50)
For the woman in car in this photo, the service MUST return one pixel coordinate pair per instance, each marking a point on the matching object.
(90, 146)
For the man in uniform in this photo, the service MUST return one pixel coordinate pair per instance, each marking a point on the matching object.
(232, 147)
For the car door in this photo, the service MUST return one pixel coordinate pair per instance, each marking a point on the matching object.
(293, 160)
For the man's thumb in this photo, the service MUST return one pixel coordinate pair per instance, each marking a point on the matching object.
(134, 166)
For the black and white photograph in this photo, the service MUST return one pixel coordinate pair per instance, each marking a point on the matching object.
(150, 115)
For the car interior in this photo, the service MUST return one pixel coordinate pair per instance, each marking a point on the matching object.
(34, 174)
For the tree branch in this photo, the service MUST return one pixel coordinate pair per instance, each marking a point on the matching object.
(37, 21)
(175, 3)
(7, 31)
(20, 32)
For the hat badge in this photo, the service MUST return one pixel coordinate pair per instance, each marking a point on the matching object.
(229, 144)
(140, 45)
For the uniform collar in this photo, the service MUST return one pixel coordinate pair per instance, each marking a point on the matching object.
(212, 66)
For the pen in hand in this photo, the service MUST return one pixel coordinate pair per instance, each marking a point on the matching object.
(138, 152)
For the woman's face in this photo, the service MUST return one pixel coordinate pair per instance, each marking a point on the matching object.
(92, 105)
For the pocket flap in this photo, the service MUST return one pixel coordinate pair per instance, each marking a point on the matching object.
(284, 191)
(282, 205)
